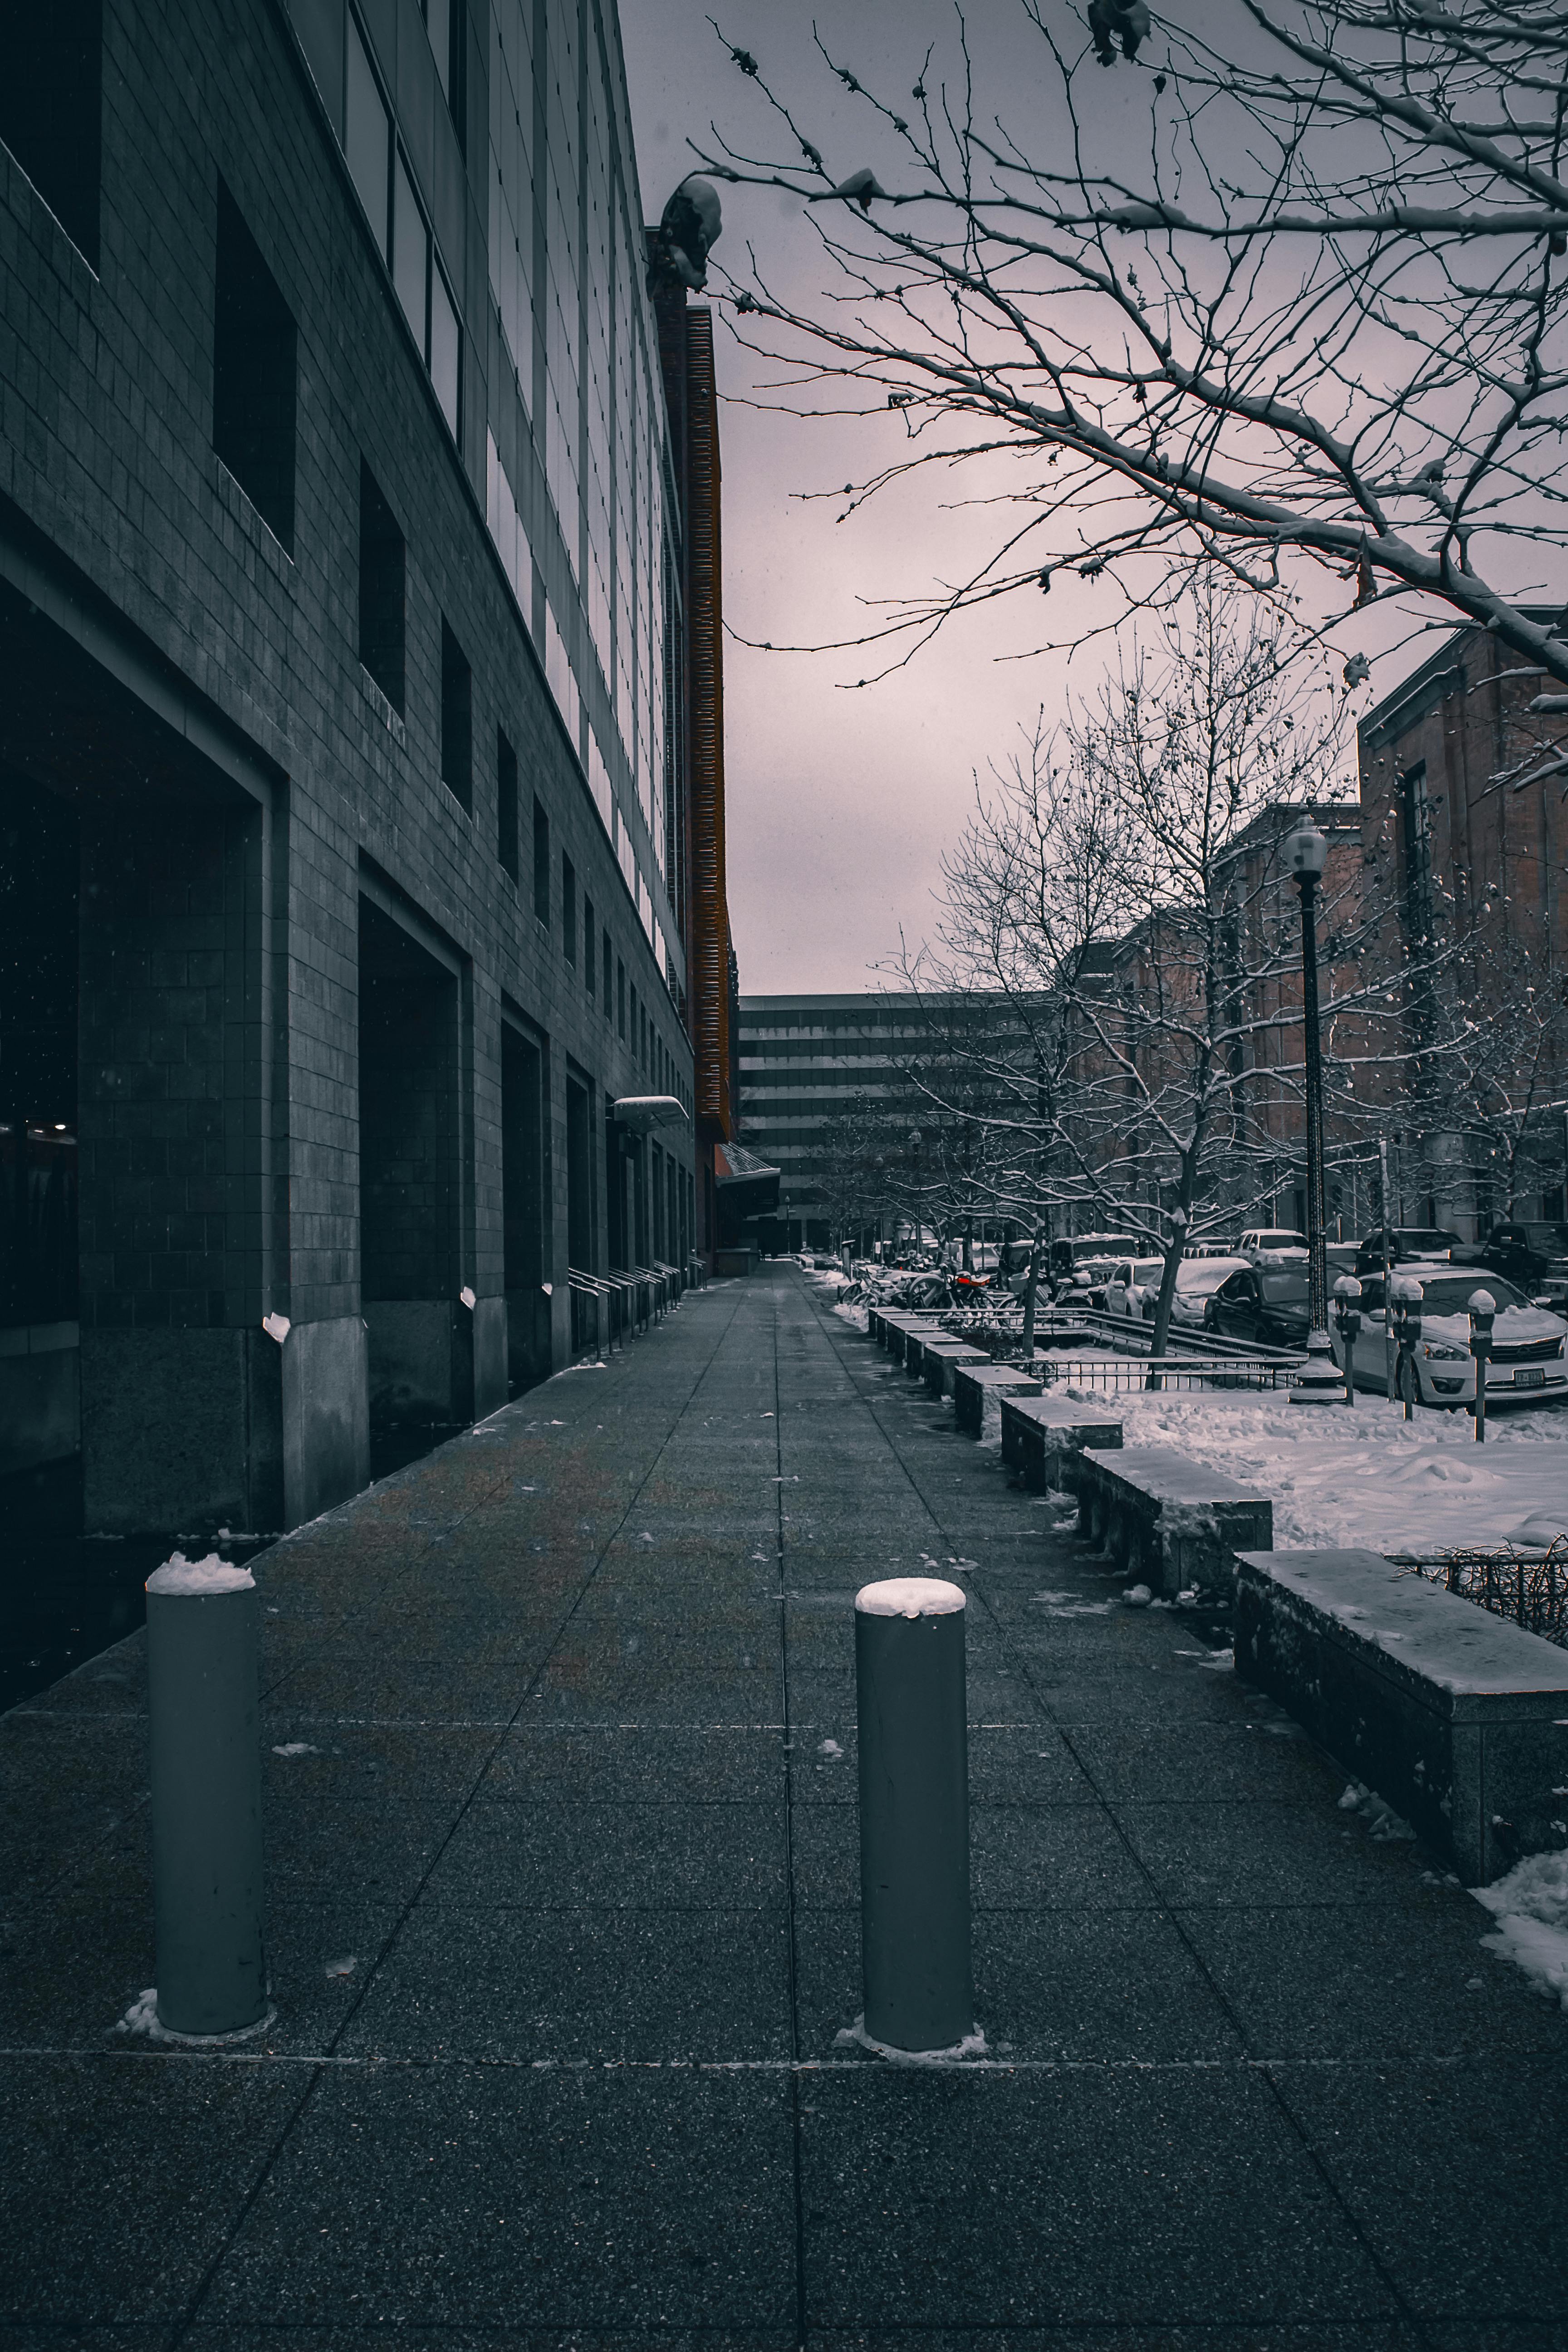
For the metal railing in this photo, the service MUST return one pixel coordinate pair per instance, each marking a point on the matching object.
(1528, 1585)
(1127, 1374)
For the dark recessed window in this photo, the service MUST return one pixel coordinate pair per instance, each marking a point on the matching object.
(253, 374)
(609, 994)
(506, 804)
(51, 106)
(541, 863)
(620, 997)
(589, 958)
(568, 908)
(382, 564)
(457, 719)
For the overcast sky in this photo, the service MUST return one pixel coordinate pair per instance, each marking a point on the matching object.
(841, 803)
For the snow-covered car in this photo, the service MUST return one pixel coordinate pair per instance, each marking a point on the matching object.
(1133, 1279)
(1197, 1279)
(1272, 1245)
(1528, 1365)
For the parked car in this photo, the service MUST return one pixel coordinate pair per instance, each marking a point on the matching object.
(1272, 1245)
(1405, 1245)
(1527, 1363)
(1532, 1254)
(1072, 1253)
(1263, 1303)
(1197, 1279)
(1133, 1280)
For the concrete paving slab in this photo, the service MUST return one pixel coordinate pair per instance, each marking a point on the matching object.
(510, 2196)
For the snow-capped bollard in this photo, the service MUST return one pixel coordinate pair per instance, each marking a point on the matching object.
(206, 1759)
(914, 1813)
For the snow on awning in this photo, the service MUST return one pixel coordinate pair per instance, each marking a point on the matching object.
(642, 1113)
(734, 1164)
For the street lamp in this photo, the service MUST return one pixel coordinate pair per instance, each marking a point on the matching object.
(1317, 1382)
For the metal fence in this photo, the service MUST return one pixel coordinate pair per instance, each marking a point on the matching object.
(1529, 1586)
(1124, 1374)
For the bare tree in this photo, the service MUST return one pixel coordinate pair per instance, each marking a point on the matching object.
(1123, 887)
(1310, 319)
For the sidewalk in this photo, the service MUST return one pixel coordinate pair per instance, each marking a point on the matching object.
(562, 1690)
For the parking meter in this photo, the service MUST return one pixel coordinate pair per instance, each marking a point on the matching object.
(1405, 1314)
(1347, 1315)
(1483, 1314)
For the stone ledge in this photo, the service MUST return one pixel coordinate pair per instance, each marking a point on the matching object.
(1456, 1718)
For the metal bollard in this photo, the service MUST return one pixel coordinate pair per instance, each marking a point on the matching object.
(914, 1813)
(206, 1796)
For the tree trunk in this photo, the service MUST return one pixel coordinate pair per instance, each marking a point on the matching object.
(1031, 1291)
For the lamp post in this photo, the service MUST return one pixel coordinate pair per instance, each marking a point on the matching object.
(1317, 1382)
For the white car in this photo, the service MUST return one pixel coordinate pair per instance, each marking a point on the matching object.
(1272, 1245)
(1527, 1363)
(1197, 1279)
(1133, 1280)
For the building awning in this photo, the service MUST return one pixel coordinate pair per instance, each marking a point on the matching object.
(642, 1113)
(747, 1187)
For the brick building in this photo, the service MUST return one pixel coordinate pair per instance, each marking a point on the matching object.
(341, 579)
(1465, 836)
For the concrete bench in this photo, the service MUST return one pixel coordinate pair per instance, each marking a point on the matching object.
(1165, 1522)
(939, 1358)
(1457, 1718)
(907, 1331)
(1042, 1439)
(978, 1390)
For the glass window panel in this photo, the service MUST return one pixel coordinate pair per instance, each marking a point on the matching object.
(446, 352)
(366, 137)
(438, 24)
(410, 251)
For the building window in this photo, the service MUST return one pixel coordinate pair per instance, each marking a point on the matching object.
(609, 996)
(588, 956)
(367, 137)
(380, 172)
(1415, 817)
(457, 719)
(381, 564)
(541, 863)
(620, 998)
(51, 106)
(506, 804)
(568, 908)
(252, 375)
(444, 21)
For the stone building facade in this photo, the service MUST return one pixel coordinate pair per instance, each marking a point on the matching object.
(338, 555)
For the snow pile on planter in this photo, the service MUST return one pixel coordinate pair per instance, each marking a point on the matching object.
(1344, 1477)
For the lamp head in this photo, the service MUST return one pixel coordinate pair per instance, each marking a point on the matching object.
(1306, 851)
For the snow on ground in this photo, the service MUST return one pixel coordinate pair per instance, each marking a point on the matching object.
(1363, 1476)
(1531, 1907)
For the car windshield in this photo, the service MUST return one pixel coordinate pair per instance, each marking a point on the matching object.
(1415, 1238)
(1549, 1239)
(1452, 1294)
(1280, 1237)
(1283, 1289)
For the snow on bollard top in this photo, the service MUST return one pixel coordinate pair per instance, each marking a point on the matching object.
(184, 1577)
(909, 1596)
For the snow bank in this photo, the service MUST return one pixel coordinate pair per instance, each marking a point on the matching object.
(1531, 1907)
(1363, 1476)
(182, 1576)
